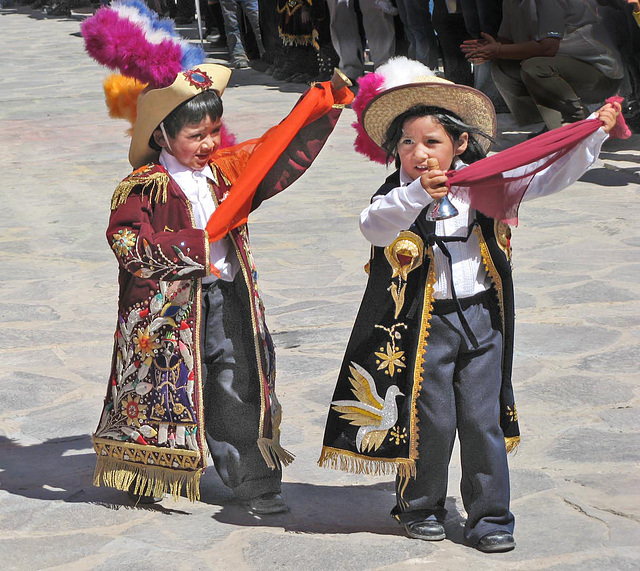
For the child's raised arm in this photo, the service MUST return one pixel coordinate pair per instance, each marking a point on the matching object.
(608, 114)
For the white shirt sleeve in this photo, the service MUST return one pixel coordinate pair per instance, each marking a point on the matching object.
(393, 212)
(566, 170)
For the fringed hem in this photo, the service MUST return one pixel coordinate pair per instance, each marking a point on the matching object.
(147, 480)
(512, 443)
(274, 454)
(356, 464)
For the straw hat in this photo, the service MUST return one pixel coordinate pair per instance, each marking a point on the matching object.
(155, 104)
(408, 83)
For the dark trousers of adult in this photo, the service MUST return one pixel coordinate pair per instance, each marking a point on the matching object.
(416, 19)
(232, 391)
(460, 391)
(551, 89)
(452, 32)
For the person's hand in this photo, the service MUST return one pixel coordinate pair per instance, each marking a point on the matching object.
(635, 4)
(480, 51)
(608, 114)
(434, 182)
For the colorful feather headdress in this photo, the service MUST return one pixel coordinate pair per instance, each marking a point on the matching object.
(147, 51)
(402, 83)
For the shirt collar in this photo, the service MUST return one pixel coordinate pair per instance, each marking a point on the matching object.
(177, 170)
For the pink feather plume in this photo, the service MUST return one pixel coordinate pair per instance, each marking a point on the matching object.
(119, 43)
(370, 85)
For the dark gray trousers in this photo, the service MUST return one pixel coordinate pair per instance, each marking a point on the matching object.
(550, 89)
(460, 391)
(232, 391)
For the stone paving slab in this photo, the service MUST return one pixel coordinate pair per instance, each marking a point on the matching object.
(574, 480)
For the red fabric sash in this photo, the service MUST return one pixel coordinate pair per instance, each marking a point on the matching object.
(235, 209)
(497, 195)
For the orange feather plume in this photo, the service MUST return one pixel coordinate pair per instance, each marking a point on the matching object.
(121, 95)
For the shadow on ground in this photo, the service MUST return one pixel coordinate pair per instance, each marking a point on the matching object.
(62, 470)
(336, 510)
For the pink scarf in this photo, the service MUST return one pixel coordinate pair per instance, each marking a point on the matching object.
(497, 193)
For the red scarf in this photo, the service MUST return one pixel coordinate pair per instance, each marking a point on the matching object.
(235, 209)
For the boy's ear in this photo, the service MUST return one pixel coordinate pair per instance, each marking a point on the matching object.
(462, 144)
(158, 137)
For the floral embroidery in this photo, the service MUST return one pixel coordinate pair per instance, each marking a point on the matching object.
(145, 342)
(159, 266)
(398, 435)
(133, 410)
(512, 413)
(123, 242)
(390, 359)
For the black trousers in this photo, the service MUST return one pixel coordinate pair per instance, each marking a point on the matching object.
(232, 391)
(460, 392)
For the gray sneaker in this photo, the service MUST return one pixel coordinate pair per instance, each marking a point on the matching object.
(240, 63)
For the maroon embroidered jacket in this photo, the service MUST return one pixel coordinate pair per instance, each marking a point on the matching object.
(151, 430)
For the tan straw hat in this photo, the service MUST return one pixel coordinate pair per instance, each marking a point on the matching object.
(471, 105)
(155, 104)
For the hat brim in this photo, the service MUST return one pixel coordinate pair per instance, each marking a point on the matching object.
(154, 106)
(471, 105)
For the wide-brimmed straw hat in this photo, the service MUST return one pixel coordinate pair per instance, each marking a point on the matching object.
(471, 105)
(155, 104)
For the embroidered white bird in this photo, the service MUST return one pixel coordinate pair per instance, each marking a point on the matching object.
(373, 415)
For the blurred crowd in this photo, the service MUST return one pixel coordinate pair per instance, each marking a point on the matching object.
(545, 61)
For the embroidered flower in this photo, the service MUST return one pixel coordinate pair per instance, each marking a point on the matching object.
(512, 413)
(159, 410)
(390, 358)
(398, 435)
(145, 343)
(123, 242)
(178, 408)
(133, 410)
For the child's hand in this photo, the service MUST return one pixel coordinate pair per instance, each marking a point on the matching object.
(434, 182)
(608, 115)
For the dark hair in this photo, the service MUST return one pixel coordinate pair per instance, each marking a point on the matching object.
(194, 110)
(452, 124)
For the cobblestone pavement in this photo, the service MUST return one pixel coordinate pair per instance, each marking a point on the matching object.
(575, 477)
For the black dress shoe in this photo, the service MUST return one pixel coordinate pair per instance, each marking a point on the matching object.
(429, 530)
(267, 504)
(496, 542)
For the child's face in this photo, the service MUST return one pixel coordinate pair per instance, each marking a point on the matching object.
(194, 143)
(424, 138)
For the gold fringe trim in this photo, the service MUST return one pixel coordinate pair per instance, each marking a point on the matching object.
(155, 184)
(427, 306)
(148, 480)
(274, 454)
(357, 464)
(512, 443)
(304, 40)
(230, 166)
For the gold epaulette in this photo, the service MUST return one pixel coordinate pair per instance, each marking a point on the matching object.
(231, 164)
(149, 179)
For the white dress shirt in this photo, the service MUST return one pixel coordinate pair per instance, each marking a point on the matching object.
(195, 185)
(396, 211)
